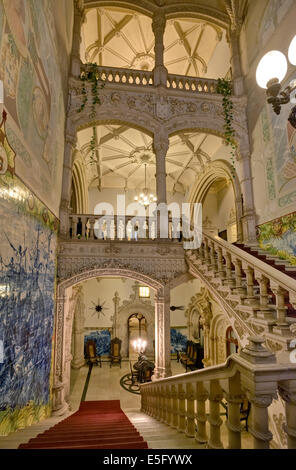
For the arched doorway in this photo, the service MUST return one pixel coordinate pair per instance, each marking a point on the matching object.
(137, 328)
(231, 342)
(64, 322)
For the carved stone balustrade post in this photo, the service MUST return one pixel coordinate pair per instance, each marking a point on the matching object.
(162, 334)
(181, 409)
(213, 257)
(92, 222)
(265, 312)
(174, 394)
(234, 399)
(207, 253)
(215, 397)
(201, 419)
(238, 277)
(158, 403)
(282, 326)
(287, 391)
(168, 398)
(259, 420)
(158, 27)
(190, 416)
(233, 423)
(221, 270)
(229, 278)
(251, 298)
(74, 221)
(255, 353)
(162, 405)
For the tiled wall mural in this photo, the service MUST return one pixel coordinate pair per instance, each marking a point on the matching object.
(178, 341)
(31, 70)
(102, 339)
(27, 284)
(278, 237)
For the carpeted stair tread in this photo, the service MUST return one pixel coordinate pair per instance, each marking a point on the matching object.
(87, 432)
(96, 425)
(67, 437)
(127, 445)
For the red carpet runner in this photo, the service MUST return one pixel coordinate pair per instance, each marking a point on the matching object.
(96, 425)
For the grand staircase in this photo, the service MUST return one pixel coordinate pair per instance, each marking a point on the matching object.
(96, 425)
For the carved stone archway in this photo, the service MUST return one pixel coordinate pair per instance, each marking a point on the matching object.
(129, 307)
(64, 321)
(219, 169)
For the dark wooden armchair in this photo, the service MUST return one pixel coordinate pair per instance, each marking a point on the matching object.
(91, 353)
(115, 356)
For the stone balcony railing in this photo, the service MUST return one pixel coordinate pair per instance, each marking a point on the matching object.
(253, 375)
(128, 228)
(145, 78)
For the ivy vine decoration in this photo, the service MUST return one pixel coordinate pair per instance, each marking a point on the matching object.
(92, 147)
(90, 75)
(224, 88)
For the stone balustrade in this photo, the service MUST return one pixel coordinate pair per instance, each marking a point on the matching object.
(109, 227)
(124, 76)
(254, 375)
(258, 298)
(146, 78)
(195, 84)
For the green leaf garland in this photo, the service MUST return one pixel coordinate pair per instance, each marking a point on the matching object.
(224, 88)
(90, 75)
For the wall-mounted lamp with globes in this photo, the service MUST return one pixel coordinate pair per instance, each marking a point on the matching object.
(271, 71)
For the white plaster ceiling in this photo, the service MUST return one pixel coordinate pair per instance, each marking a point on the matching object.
(123, 38)
(122, 152)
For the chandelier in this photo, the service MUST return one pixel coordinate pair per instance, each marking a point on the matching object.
(144, 198)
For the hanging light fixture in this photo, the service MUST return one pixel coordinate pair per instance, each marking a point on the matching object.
(144, 198)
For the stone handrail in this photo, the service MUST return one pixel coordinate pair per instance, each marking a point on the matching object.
(241, 272)
(146, 78)
(252, 375)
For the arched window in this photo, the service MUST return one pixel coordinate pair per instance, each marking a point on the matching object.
(231, 342)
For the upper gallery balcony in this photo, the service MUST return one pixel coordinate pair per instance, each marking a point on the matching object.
(144, 78)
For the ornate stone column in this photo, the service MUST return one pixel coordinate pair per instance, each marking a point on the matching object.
(78, 357)
(116, 302)
(249, 216)
(160, 147)
(78, 21)
(237, 74)
(70, 144)
(158, 27)
(162, 334)
(59, 405)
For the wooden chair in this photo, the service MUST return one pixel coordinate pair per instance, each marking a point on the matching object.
(115, 356)
(134, 374)
(91, 353)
